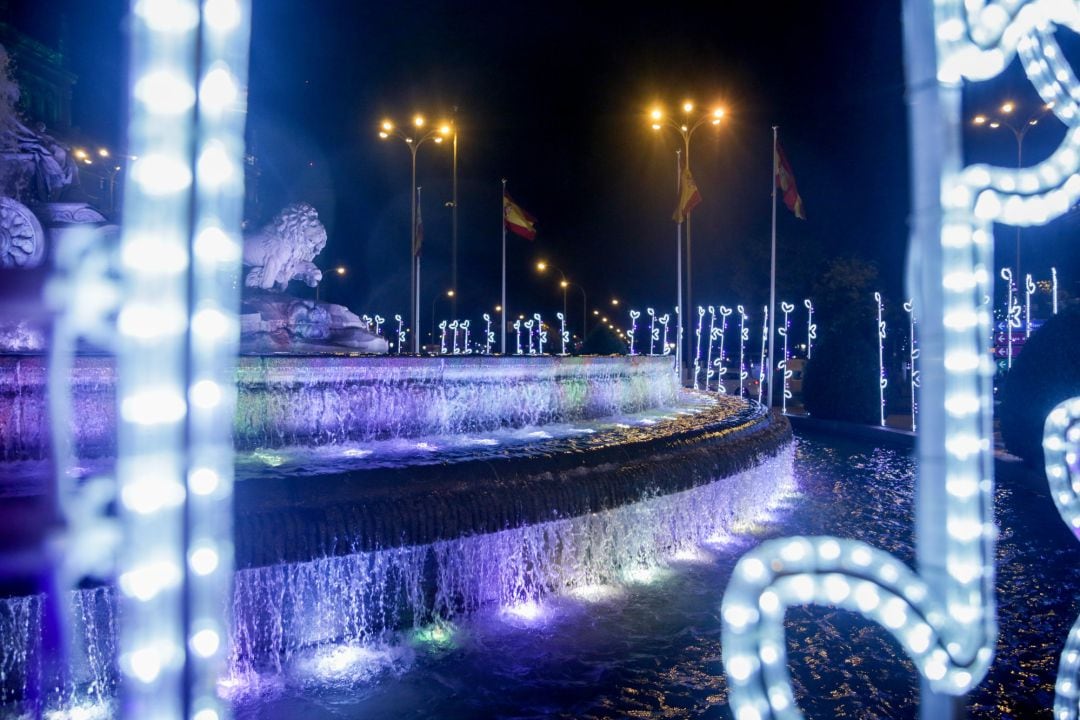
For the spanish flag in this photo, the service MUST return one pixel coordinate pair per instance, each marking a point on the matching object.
(689, 197)
(785, 180)
(517, 220)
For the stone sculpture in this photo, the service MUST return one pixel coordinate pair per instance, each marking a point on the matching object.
(284, 249)
(271, 321)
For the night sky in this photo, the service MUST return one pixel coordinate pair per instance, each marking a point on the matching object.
(553, 96)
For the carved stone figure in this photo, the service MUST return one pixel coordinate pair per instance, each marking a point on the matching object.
(22, 241)
(34, 167)
(284, 249)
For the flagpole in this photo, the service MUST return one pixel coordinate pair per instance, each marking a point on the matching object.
(772, 272)
(505, 311)
(416, 250)
(678, 271)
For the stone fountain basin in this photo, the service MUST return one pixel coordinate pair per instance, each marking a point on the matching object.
(294, 517)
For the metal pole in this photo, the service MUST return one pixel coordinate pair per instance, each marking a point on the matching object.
(413, 290)
(772, 273)
(689, 265)
(453, 229)
(678, 273)
(1019, 164)
(416, 250)
(505, 309)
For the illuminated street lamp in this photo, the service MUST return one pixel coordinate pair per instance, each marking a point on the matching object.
(340, 271)
(414, 141)
(1005, 118)
(685, 127)
(450, 294)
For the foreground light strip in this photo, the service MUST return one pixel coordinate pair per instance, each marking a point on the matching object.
(177, 345)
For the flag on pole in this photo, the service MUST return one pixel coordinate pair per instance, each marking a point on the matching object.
(517, 220)
(689, 197)
(785, 180)
(418, 240)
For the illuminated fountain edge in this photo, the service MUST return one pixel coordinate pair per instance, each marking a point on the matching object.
(297, 518)
(326, 399)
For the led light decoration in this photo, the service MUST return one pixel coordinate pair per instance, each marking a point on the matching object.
(563, 335)
(1012, 315)
(541, 333)
(366, 319)
(175, 387)
(378, 324)
(654, 333)
(744, 335)
(697, 354)
(517, 330)
(664, 320)
(782, 366)
(400, 334)
(1061, 448)
(453, 327)
(711, 339)
(464, 325)
(1029, 287)
(1053, 282)
(811, 328)
(944, 616)
(634, 315)
(489, 336)
(883, 381)
(765, 362)
(913, 347)
(442, 337)
(721, 369)
(529, 332)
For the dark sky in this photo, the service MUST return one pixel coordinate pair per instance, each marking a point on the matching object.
(553, 96)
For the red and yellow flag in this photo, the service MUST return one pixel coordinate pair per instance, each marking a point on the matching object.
(517, 220)
(785, 180)
(689, 197)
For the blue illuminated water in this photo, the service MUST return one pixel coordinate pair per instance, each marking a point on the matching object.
(650, 648)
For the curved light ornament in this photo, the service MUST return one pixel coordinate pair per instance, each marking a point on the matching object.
(782, 366)
(913, 347)
(1029, 290)
(1061, 445)
(883, 381)
(944, 616)
(811, 327)
(488, 335)
(563, 335)
(664, 320)
(442, 337)
(654, 332)
(634, 315)
(541, 333)
(400, 334)
(721, 369)
(763, 363)
(744, 335)
(697, 353)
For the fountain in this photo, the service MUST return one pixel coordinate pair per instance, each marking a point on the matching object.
(374, 493)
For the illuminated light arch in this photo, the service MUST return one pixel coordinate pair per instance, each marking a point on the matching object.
(944, 616)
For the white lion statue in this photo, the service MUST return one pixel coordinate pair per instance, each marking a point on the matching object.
(284, 249)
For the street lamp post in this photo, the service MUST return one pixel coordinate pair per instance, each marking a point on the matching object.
(450, 294)
(1019, 130)
(685, 127)
(388, 129)
(542, 266)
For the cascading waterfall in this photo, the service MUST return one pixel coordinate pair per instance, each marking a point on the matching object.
(280, 612)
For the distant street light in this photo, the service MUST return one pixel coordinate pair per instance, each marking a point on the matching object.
(340, 271)
(387, 130)
(450, 294)
(685, 126)
(1004, 118)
